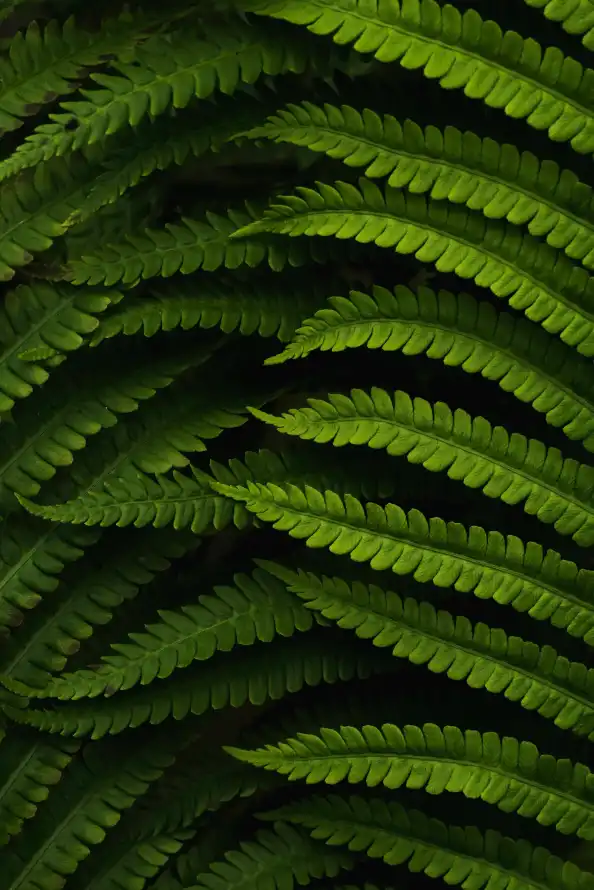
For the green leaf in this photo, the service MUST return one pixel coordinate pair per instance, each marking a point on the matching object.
(576, 17)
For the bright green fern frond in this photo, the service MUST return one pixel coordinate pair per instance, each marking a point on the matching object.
(447, 554)
(454, 165)
(508, 466)
(576, 16)
(42, 316)
(257, 674)
(532, 276)
(256, 608)
(275, 860)
(464, 333)
(462, 51)
(512, 775)
(461, 856)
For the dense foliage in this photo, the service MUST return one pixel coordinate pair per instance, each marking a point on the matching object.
(297, 424)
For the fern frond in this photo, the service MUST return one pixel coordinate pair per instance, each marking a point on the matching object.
(508, 466)
(186, 247)
(462, 51)
(459, 855)
(256, 608)
(168, 71)
(458, 166)
(508, 773)
(488, 564)
(268, 308)
(110, 576)
(257, 674)
(463, 333)
(485, 658)
(37, 317)
(533, 277)
(29, 767)
(576, 17)
(275, 860)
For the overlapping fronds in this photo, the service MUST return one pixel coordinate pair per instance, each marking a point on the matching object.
(256, 608)
(461, 51)
(458, 166)
(459, 855)
(258, 674)
(576, 16)
(513, 775)
(484, 657)
(167, 71)
(489, 564)
(464, 333)
(508, 466)
(515, 266)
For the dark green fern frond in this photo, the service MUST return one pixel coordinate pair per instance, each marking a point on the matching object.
(469, 449)
(464, 333)
(484, 657)
(458, 855)
(576, 16)
(515, 266)
(447, 554)
(506, 772)
(462, 51)
(256, 608)
(458, 166)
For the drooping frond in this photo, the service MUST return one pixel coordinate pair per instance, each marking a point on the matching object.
(462, 51)
(484, 657)
(576, 16)
(40, 316)
(458, 166)
(545, 285)
(464, 333)
(459, 855)
(447, 554)
(269, 307)
(257, 674)
(275, 860)
(255, 608)
(469, 449)
(512, 775)
(112, 576)
(167, 71)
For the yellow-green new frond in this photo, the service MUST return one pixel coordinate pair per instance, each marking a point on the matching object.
(256, 608)
(167, 71)
(545, 285)
(512, 775)
(183, 501)
(462, 51)
(447, 554)
(43, 316)
(256, 674)
(469, 449)
(483, 657)
(464, 333)
(275, 860)
(458, 166)
(461, 856)
(576, 16)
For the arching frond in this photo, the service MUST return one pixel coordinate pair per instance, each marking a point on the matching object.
(464, 333)
(445, 553)
(461, 51)
(510, 774)
(532, 276)
(508, 466)
(388, 831)
(576, 17)
(255, 608)
(458, 166)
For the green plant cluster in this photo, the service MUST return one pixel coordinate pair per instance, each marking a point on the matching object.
(296, 445)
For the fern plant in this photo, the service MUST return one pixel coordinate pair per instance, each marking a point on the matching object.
(296, 436)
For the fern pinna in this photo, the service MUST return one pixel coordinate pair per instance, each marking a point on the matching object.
(296, 437)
